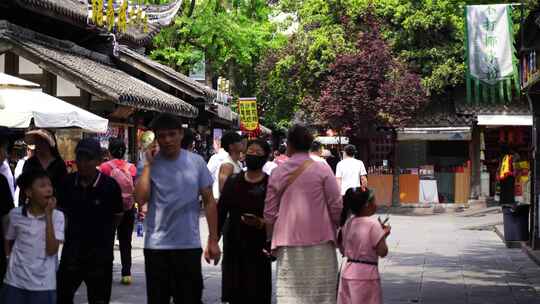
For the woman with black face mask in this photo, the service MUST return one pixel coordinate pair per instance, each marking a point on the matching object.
(247, 274)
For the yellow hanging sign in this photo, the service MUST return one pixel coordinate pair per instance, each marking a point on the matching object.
(249, 116)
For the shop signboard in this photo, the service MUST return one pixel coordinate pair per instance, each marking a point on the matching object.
(249, 116)
(112, 132)
(218, 133)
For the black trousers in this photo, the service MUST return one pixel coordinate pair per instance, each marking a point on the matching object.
(96, 276)
(125, 234)
(173, 273)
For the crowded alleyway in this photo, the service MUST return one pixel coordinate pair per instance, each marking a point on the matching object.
(435, 259)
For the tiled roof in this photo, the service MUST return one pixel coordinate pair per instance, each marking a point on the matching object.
(75, 12)
(173, 78)
(459, 113)
(516, 107)
(441, 114)
(91, 71)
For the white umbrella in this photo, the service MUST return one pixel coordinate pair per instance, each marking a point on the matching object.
(19, 104)
(12, 81)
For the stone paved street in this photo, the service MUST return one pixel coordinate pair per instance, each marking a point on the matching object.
(434, 260)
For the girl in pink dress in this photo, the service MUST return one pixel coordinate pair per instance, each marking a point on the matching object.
(362, 242)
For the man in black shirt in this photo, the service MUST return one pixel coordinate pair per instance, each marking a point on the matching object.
(92, 204)
(6, 204)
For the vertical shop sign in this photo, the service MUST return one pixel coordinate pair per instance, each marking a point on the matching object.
(249, 116)
(491, 61)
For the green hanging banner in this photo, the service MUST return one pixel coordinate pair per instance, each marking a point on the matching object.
(492, 74)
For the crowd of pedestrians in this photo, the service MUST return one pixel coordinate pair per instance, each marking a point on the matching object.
(286, 205)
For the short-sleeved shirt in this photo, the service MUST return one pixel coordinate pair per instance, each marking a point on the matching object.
(350, 170)
(361, 235)
(269, 167)
(90, 216)
(215, 161)
(172, 221)
(30, 268)
(237, 168)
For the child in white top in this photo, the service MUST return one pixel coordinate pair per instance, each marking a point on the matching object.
(35, 231)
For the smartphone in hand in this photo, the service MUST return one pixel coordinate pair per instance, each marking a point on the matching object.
(385, 220)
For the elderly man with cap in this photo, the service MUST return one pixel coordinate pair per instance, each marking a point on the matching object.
(92, 204)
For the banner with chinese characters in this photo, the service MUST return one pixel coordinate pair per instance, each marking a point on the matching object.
(249, 116)
(492, 73)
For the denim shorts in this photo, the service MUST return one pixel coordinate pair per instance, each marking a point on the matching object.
(10, 294)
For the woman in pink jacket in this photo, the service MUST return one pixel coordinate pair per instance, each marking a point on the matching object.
(303, 206)
(362, 242)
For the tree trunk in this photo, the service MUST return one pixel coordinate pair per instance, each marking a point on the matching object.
(395, 179)
(208, 73)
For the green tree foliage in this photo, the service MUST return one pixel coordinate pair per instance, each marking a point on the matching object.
(427, 35)
(294, 72)
(230, 35)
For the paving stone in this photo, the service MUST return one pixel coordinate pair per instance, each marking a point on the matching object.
(433, 260)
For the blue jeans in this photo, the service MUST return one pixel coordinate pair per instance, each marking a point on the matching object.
(10, 294)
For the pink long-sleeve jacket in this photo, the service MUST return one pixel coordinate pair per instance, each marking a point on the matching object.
(308, 212)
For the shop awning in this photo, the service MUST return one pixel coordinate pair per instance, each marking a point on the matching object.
(505, 120)
(435, 133)
(20, 106)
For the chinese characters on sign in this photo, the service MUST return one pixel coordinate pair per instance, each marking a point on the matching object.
(490, 44)
(491, 69)
(249, 117)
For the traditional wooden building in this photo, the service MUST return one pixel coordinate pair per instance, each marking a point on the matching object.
(462, 143)
(530, 81)
(53, 43)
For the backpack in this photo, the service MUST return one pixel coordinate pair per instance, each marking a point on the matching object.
(124, 179)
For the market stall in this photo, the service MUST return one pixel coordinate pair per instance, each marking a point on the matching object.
(435, 164)
(380, 179)
(517, 138)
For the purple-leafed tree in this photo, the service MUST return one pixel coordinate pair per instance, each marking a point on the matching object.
(368, 87)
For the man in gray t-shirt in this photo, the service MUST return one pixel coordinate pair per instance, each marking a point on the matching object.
(171, 182)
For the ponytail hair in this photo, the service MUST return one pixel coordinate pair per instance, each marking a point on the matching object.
(354, 201)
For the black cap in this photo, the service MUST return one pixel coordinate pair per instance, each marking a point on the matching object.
(90, 147)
